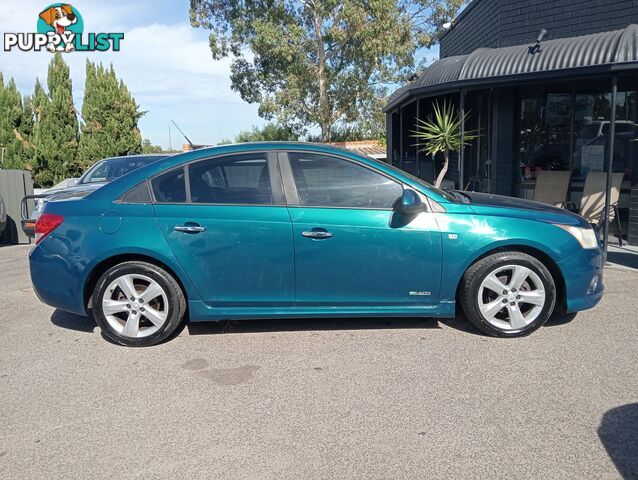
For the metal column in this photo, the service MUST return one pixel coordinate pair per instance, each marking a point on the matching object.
(461, 166)
(401, 142)
(610, 160)
(418, 149)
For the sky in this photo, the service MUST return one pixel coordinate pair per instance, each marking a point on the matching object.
(164, 61)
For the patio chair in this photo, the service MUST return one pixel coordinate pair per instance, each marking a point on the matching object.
(552, 186)
(592, 203)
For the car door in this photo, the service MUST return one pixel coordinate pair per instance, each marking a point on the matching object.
(351, 247)
(225, 220)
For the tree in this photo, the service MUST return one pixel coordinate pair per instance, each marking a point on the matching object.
(148, 147)
(110, 117)
(442, 134)
(310, 63)
(319, 62)
(271, 132)
(15, 127)
(55, 134)
(430, 18)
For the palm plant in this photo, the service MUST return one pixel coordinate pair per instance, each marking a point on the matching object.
(442, 134)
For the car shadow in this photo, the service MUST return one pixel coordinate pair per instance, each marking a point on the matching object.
(618, 432)
(558, 319)
(461, 323)
(309, 324)
(87, 324)
(71, 321)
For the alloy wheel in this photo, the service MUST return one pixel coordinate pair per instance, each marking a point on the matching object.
(511, 297)
(135, 306)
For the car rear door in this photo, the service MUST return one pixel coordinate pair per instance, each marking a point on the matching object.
(225, 220)
(351, 247)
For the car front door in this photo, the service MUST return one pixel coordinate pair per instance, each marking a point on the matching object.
(225, 220)
(351, 247)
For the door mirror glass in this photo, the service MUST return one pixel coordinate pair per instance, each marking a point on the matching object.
(410, 202)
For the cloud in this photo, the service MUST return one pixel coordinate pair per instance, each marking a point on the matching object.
(167, 66)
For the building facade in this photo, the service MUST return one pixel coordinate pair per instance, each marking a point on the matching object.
(539, 81)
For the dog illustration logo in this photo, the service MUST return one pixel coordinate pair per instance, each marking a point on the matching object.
(59, 17)
(60, 21)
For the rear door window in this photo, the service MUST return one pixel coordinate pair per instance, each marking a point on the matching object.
(232, 180)
(170, 187)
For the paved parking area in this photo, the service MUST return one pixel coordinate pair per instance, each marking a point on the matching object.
(306, 399)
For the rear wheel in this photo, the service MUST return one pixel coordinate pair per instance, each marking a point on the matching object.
(508, 294)
(138, 304)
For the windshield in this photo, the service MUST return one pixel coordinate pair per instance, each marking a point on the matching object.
(430, 187)
(112, 168)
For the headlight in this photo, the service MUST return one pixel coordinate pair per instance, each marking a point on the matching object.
(585, 236)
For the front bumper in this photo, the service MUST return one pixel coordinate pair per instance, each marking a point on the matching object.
(583, 275)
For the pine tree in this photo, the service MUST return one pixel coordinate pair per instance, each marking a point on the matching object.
(15, 127)
(55, 137)
(110, 117)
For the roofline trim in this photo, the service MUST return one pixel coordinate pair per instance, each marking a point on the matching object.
(517, 79)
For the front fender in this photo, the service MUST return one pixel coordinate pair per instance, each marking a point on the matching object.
(468, 237)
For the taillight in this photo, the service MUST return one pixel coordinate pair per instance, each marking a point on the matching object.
(46, 223)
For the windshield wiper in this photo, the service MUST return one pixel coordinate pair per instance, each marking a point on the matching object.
(459, 196)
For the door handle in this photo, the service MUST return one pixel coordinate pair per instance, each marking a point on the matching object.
(318, 234)
(189, 228)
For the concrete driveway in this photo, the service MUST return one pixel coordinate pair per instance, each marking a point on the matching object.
(306, 399)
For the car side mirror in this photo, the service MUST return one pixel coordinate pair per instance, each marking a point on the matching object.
(410, 202)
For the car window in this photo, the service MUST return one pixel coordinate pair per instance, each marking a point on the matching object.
(170, 187)
(139, 194)
(328, 181)
(238, 179)
(112, 168)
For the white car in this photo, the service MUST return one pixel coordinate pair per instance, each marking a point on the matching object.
(99, 174)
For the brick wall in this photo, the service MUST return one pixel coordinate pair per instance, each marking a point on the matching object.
(502, 23)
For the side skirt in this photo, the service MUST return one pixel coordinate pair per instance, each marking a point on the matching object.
(200, 312)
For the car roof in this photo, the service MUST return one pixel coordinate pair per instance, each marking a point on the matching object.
(278, 144)
(139, 155)
(121, 184)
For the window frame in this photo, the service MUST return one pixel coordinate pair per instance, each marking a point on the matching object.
(292, 194)
(276, 186)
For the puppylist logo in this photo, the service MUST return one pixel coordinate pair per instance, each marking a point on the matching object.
(61, 29)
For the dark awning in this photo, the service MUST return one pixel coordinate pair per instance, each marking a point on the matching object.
(563, 57)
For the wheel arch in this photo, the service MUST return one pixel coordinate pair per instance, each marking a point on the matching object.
(540, 255)
(98, 270)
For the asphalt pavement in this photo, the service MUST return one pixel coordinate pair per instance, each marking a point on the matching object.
(318, 399)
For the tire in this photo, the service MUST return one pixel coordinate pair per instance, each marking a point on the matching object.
(125, 316)
(524, 309)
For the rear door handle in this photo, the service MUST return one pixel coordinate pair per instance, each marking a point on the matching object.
(189, 228)
(317, 234)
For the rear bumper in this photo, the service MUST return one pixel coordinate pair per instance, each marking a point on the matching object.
(56, 280)
(583, 274)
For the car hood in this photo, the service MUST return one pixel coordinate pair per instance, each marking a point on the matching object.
(489, 204)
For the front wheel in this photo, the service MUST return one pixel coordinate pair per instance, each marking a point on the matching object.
(508, 294)
(138, 304)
